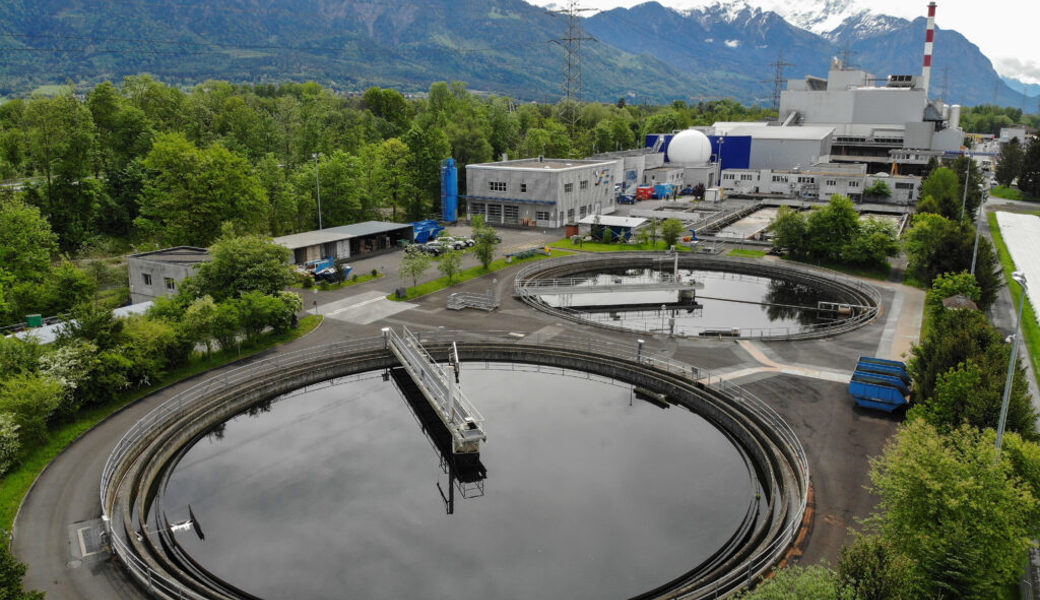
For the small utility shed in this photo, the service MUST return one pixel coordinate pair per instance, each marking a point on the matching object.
(620, 227)
(158, 273)
(345, 241)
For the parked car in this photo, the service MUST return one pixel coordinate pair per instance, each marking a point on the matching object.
(457, 242)
(436, 247)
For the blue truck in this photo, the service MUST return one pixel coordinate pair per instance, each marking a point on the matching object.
(880, 384)
(426, 231)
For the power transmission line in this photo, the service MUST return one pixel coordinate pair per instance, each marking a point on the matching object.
(778, 81)
(571, 42)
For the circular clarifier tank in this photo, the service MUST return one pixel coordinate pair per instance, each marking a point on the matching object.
(345, 489)
(697, 296)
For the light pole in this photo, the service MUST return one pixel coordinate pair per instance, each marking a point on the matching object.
(978, 230)
(967, 170)
(1020, 277)
(317, 185)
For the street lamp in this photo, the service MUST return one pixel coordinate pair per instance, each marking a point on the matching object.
(978, 230)
(1019, 277)
(317, 185)
(967, 169)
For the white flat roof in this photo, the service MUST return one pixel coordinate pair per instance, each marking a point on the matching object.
(548, 164)
(783, 133)
(611, 221)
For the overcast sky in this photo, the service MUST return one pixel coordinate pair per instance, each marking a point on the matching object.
(1005, 30)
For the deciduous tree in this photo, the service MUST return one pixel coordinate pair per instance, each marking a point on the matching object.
(960, 513)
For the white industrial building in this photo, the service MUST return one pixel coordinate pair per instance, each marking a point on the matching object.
(884, 123)
(775, 147)
(541, 192)
(819, 182)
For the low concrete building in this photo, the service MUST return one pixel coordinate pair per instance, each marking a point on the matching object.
(346, 241)
(541, 192)
(160, 272)
(819, 182)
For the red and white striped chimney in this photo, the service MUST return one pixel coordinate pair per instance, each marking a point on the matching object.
(929, 37)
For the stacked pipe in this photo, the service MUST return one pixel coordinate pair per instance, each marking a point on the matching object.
(929, 38)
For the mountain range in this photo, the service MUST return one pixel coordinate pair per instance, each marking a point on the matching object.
(645, 53)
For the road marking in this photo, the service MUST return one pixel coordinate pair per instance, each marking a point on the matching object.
(358, 305)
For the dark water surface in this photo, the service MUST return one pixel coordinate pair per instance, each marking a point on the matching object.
(727, 301)
(332, 492)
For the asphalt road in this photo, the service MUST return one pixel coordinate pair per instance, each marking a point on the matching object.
(54, 532)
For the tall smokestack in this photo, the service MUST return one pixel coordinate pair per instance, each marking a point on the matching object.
(929, 37)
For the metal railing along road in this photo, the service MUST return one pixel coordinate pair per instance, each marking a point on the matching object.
(190, 398)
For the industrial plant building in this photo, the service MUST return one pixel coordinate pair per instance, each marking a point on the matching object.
(540, 192)
(160, 272)
(819, 182)
(345, 241)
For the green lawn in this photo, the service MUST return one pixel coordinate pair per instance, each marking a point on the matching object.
(15, 484)
(567, 244)
(1029, 324)
(1008, 193)
(747, 253)
(472, 273)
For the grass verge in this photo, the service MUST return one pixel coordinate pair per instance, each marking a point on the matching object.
(16, 484)
(747, 253)
(1010, 193)
(1029, 325)
(472, 273)
(879, 272)
(566, 244)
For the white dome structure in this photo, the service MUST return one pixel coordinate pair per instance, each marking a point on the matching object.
(689, 148)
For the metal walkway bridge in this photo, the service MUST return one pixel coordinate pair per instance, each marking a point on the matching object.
(546, 287)
(441, 390)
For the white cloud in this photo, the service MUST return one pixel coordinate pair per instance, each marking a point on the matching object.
(733, 43)
(1026, 70)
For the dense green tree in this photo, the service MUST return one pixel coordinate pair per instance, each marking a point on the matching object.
(393, 175)
(960, 513)
(10, 448)
(240, 265)
(427, 147)
(414, 262)
(789, 229)
(940, 194)
(1009, 163)
(964, 340)
(671, 231)
(30, 400)
(871, 569)
(872, 244)
(1029, 176)
(936, 245)
(484, 241)
(879, 189)
(26, 241)
(951, 284)
(450, 264)
(830, 228)
(11, 573)
(190, 192)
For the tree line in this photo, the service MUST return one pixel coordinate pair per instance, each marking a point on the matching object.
(955, 515)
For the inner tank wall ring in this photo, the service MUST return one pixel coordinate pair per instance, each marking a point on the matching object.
(135, 468)
(849, 290)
